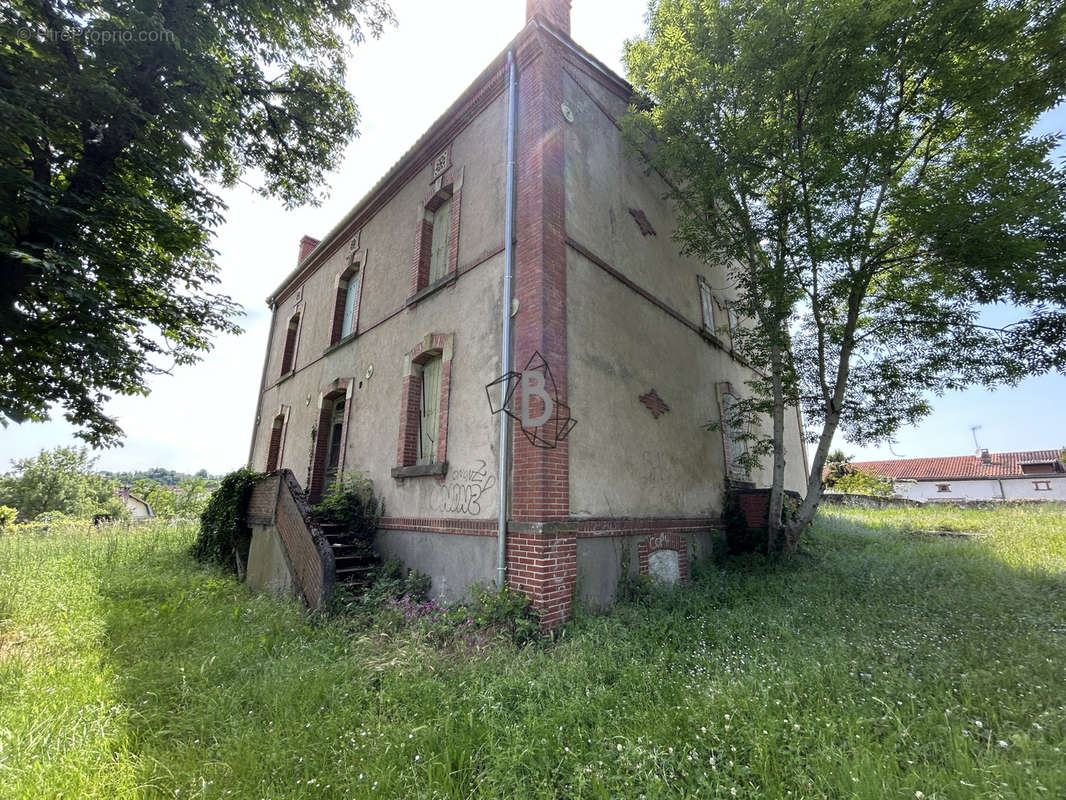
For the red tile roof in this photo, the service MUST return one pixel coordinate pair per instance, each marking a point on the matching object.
(1002, 465)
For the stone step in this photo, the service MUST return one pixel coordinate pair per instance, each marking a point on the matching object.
(354, 574)
(354, 561)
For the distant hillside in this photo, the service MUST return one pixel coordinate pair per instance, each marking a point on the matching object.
(164, 477)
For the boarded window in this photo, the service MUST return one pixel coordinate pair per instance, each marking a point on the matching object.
(429, 411)
(442, 229)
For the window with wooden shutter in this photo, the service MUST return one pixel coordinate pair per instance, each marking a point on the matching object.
(442, 228)
(706, 303)
(288, 354)
(736, 446)
(335, 443)
(429, 411)
(351, 295)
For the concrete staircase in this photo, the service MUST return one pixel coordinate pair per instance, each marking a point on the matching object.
(355, 561)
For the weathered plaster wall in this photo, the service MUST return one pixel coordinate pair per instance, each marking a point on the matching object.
(1005, 489)
(625, 462)
(268, 567)
(601, 560)
(388, 329)
(454, 560)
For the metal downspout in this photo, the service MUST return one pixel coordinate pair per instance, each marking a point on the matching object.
(505, 348)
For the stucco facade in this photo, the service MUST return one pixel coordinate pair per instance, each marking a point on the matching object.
(949, 490)
(1019, 475)
(601, 295)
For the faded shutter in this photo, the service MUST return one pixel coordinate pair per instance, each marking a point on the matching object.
(430, 411)
(351, 294)
(442, 229)
(736, 447)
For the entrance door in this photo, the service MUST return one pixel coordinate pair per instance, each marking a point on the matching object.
(334, 442)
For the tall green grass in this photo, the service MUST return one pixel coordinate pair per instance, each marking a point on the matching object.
(880, 663)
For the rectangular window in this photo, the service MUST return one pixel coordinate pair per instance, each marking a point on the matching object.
(351, 295)
(288, 355)
(706, 304)
(731, 319)
(943, 487)
(736, 445)
(1042, 486)
(442, 229)
(429, 411)
(334, 443)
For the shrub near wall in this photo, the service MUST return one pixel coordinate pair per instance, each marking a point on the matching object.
(224, 536)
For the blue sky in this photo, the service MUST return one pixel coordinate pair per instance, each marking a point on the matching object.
(201, 416)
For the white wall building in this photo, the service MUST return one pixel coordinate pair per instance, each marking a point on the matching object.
(139, 509)
(1027, 475)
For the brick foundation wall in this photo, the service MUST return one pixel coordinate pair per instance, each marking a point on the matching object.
(543, 565)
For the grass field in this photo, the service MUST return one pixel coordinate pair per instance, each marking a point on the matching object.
(878, 664)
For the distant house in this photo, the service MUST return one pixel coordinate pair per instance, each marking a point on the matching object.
(139, 509)
(1027, 475)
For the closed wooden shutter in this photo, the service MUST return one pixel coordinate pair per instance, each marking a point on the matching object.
(736, 447)
(351, 295)
(442, 229)
(707, 304)
(335, 442)
(430, 411)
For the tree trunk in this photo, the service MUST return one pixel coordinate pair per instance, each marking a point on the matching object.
(774, 528)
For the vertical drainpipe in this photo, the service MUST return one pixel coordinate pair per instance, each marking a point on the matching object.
(505, 348)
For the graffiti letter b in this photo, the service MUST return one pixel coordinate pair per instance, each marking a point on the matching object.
(533, 385)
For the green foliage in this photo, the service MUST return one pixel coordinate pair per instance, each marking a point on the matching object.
(350, 502)
(505, 612)
(865, 176)
(632, 587)
(855, 481)
(7, 515)
(159, 475)
(393, 582)
(836, 466)
(58, 480)
(868, 667)
(224, 536)
(117, 119)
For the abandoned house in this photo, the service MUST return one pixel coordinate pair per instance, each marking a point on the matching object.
(504, 337)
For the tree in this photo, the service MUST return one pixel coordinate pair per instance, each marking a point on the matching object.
(855, 481)
(117, 116)
(837, 465)
(58, 480)
(865, 171)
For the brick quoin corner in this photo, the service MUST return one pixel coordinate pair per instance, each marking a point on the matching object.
(541, 561)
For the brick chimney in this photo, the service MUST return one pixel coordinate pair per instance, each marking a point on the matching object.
(307, 244)
(983, 455)
(555, 12)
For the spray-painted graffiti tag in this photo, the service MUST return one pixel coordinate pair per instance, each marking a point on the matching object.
(463, 492)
